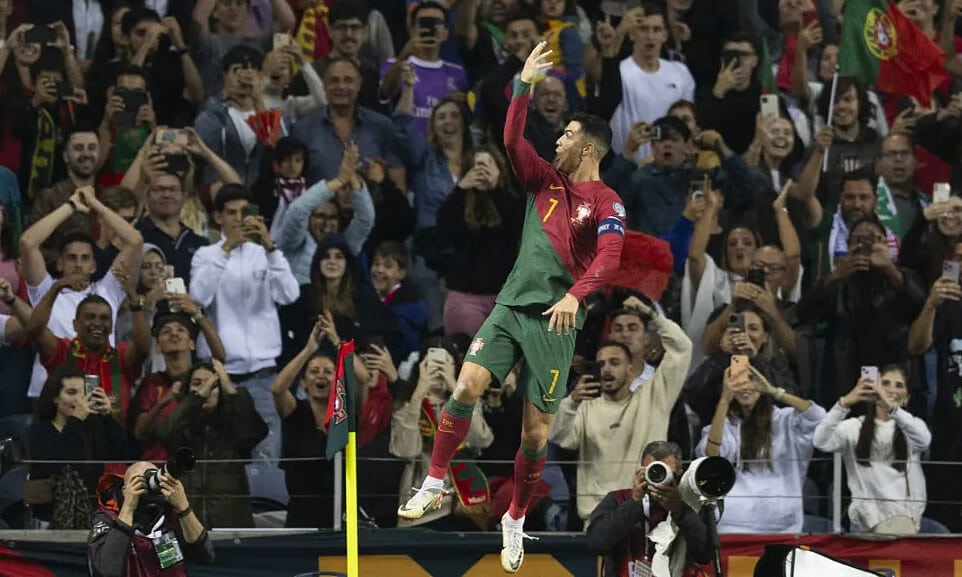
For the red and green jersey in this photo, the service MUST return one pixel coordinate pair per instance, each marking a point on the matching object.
(573, 232)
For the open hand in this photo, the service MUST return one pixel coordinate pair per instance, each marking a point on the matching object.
(562, 315)
(537, 64)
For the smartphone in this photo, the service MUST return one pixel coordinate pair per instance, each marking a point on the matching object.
(281, 40)
(941, 191)
(737, 321)
(697, 187)
(133, 100)
(436, 355)
(172, 136)
(91, 382)
(593, 370)
(64, 89)
(428, 26)
(769, 103)
(366, 345)
(729, 57)
(176, 163)
(756, 276)
(168, 271)
(738, 368)
(654, 133)
(950, 269)
(251, 209)
(870, 372)
(175, 286)
(808, 17)
(862, 249)
(40, 34)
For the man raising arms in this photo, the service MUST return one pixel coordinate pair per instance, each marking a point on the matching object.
(573, 234)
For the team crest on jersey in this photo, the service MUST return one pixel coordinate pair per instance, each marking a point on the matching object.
(340, 399)
(619, 209)
(476, 346)
(582, 214)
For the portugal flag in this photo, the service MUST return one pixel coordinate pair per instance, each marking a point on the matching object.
(341, 416)
(646, 265)
(881, 46)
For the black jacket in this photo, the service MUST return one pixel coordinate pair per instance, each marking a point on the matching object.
(618, 515)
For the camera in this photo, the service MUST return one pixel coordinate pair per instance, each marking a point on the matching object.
(182, 461)
(659, 474)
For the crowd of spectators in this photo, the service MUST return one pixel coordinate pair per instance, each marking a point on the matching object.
(200, 199)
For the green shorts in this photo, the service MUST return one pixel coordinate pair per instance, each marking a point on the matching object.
(508, 334)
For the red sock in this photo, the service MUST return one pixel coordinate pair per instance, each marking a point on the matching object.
(452, 430)
(527, 472)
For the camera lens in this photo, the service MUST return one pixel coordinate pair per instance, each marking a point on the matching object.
(657, 473)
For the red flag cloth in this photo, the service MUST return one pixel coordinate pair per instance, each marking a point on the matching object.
(341, 415)
(646, 265)
(917, 69)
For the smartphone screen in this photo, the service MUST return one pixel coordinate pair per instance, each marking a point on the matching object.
(950, 269)
(941, 191)
(91, 382)
(281, 40)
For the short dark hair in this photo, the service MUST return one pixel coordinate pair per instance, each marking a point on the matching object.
(243, 55)
(340, 59)
(865, 173)
(629, 312)
(230, 193)
(77, 236)
(427, 5)
(135, 16)
(394, 250)
(522, 12)
(118, 197)
(81, 129)
(655, 8)
(288, 147)
(609, 343)
(162, 320)
(348, 10)
(51, 60)
(662, 450)
(870, 218)
(130, 70)
(93, 299)
(595, 129)
(670, 125)
(740, 36)
(46, 409)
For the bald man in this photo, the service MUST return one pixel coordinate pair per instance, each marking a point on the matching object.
(160, 528)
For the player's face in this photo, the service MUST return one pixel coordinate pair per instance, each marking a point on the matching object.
(569, 147)
(614, 369)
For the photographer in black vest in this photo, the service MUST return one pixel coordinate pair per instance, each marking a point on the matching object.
(145, 526)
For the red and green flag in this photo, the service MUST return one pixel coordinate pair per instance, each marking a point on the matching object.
(341, 416)
(880, 46)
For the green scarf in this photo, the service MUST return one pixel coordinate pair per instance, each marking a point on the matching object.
(41, 172)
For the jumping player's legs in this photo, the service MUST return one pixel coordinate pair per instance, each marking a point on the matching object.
(491, 355)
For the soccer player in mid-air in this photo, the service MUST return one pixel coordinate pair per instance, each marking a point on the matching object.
(573, 234)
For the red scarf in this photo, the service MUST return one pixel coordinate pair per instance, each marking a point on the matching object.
(288, 188)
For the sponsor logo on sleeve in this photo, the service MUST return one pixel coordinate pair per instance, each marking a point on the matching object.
(619, 209)
(476, 346)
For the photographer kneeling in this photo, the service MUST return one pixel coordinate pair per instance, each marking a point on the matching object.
(145, 527)
(647, 529)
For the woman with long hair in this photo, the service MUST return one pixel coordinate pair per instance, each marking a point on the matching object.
(218, 422)
(338, 288)
(769, 446)
(482, 221)
(881, 450)
(72, 424)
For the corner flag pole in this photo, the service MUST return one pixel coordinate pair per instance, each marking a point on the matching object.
(351, 483)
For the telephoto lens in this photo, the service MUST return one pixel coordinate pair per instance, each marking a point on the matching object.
(182, 461)
(658, 474)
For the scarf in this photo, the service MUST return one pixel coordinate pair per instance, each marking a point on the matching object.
(41, 171)
(838, 240)
(376, 413)
(288, 189)
(312, 33)
(110, 373)
(470, 483)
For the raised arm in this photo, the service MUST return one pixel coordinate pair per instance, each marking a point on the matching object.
(36, 329)
(810, 175)
(131, 242)
(921, 332)
(788, 237)
(33, 266)
(284, 400)
(283, 16)
(700, 236)
(533, 172)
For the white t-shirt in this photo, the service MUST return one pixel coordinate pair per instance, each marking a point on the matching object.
(65, 310)
(647, 96)
(244, 131)
(4, 319)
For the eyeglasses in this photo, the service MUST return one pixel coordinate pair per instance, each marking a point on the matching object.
(769, 268)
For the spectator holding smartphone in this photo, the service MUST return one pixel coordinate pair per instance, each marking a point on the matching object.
(73, 423)
(770, 448)
(881, 451)
(939, 326)
(607, 422)
(128, 120)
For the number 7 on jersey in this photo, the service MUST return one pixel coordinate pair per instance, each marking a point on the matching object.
(553, 202)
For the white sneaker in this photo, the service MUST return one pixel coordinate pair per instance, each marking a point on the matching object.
(512, 544)
(423, 501)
